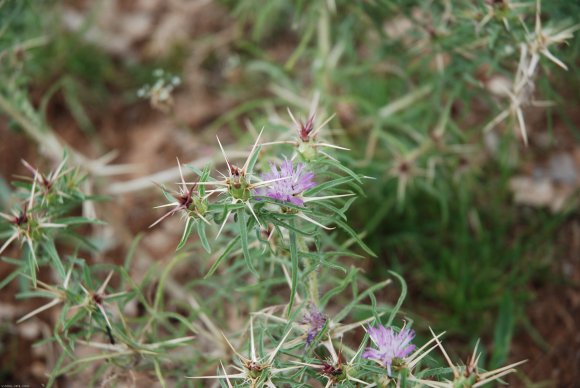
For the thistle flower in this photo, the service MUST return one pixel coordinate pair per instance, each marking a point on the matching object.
(256, 371)
(46, 182)
(307, 143)
(315, 321)
(335, 368)
(523, 86)
(28, 228)
(185, 200)
(468, 376)
(59, 295)
(520, 96)
(405, 169)
(95, 300)
(288, 183)
(336, 329)
(500, 10)
(392, 347)
(237, 185)
(543, 38)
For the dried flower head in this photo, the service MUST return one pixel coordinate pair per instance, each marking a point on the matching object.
(392, 347)
(544, 37)
(159, 94)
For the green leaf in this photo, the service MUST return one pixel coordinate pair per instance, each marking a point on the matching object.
(74, 319)
(50, 249)
(277, 222)
(354, 235)
(343, 168)
(131, 252)
(186, 233)
(346, 310)
(338, 289)
(294, 273)
(159, 373)
(401, 297)
(81, 240)
(32, 264)
(244, 238)
(331, 209)
(203, 237)
(163, 278)
(167, 194)
(203, 178)
(253, 160)
(327, 185)
(8, 279)
(226, 252)
(78, 221)
(57, 366)
(504, 329)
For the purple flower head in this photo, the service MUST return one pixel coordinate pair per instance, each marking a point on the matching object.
(315, 321)
(391, 345)
(288, 190)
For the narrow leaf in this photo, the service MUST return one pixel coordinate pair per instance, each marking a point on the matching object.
(354, 235)
(186, 233)
(50, 249)
(244, 238)
(401, 297)
(226, 252)
(203, 237)
(294, 273)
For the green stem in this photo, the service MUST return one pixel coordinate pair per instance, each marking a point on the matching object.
(313, 291)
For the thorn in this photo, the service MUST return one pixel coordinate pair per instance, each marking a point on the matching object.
(224, 154)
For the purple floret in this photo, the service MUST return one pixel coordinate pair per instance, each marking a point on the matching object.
(315, 320)
(288, 190)
(390, 345)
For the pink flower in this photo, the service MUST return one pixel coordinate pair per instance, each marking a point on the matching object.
(315, 320)
(288, 183)
(392, 346)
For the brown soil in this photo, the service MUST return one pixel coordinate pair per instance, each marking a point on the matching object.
(555, 314)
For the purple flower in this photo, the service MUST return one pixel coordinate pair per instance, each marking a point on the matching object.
(315, 321)
(391, 345)
(288, 190)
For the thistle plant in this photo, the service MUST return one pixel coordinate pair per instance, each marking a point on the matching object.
(295, 202)
(256, 372)
(468, 375)
(42, 214)
(280, 272)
